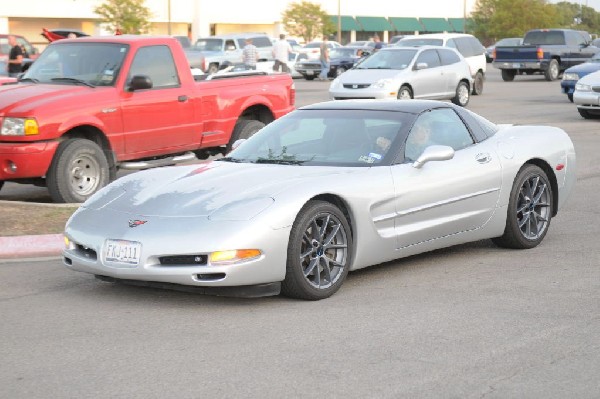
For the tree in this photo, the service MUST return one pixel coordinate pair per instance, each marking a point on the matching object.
(495, 19)
(125, 16)
(307, 20)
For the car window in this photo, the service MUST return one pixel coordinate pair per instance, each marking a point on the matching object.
(544, 37)
(157, 63)
(4, 46)
(230, 44)
(451, 43)
(26, 45)
(437, 127)
(261, 41)
(448, 57)
(420, 42)
(430, 57)
(389, 59)
(209, 45)
(464, 47)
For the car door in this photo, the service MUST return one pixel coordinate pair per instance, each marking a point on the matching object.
(451, 62)
(428, 82)
(444, 198)
(160, 117)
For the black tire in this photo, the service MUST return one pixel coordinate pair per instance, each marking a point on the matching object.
(529, 210)
(244, 129)
(570, 97)
(1, 184)
(508, 75)
(311, 77)
(587, 114)
(78, 170)
(552, 72)
(319, 252)
(212, 68)
(405, 93)
(462, 96)
(478, 84)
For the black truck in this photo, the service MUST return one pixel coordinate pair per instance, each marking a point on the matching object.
(547, 51)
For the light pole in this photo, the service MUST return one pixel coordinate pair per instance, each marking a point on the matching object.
(339, 24)
(464, 16)
(169, 17)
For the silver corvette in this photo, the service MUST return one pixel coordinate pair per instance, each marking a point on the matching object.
(330, 188)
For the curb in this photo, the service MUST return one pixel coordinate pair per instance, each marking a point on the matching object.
(31, 246)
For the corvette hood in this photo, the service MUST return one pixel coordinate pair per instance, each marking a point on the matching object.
(200, 190)
(23, 97)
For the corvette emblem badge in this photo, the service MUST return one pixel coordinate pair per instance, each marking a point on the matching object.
(136, 223)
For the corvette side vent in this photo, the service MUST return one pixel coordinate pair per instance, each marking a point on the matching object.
(183, 260)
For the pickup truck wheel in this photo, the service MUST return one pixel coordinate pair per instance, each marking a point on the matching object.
(78, 170)
(309, 77)
(552, 72)
(462, 94)
(478, 84)
(244, 129)
(508, 75)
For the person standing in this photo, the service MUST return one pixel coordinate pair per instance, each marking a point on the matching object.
(378, 44)
(250, 55)
(324, 58)
(281, 53)
(15, 57)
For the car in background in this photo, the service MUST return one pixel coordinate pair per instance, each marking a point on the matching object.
(293, 59)
(361, 43)
(468, 45)
(313, 49)
(508, 41)
(184, 41)
(53, 35)
(587, 96)
(32, 52)
(425, 72)
(395, 39)
(217, 49)
(572, 75)
(341, 59)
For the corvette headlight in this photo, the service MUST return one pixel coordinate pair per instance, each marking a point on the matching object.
(570, 76)
(19, 127)
(221, 258)
(583, 87)
(381, 83)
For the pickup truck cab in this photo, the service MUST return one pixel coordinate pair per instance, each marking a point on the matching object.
(547, 51)
(89, 106)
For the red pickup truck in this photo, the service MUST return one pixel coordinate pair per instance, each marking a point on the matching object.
(92, 105)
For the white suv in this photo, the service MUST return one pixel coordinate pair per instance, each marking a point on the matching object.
(468, 45)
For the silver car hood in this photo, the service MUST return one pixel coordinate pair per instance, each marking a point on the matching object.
(368, 75)
(201, 189)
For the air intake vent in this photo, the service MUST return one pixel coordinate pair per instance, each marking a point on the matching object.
(183, 260)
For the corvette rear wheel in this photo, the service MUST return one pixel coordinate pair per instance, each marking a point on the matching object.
(529, 210)
(319, 252)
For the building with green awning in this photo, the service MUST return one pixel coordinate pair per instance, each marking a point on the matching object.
(436, 25)
(406, 24)
(348, 23)
(458, 24)
(374, 24)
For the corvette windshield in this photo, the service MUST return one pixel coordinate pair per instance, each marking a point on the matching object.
(89, 64)
(389, 59)
(325, 137)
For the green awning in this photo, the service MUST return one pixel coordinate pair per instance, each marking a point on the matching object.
(436, 25)
(348, 23)
(457, 23)
(406, 24)
(374, 24)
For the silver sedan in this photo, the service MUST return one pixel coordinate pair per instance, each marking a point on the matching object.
(587, 96)
(427, 72)
(327, 189)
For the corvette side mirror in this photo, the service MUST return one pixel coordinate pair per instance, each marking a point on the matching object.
(434, 153)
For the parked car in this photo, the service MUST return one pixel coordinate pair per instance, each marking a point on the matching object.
(509, 41)
(330, 188)
(341, 59)
(426, 72)
(587, 96)
(217, 49)
(185, 41)
(545, 51)
(395, 39)
(468, 45)
(90, 106)
(293, 59)
(313, 49)
(572, 75)
(5, 50)
(53, 35)
(361, 43)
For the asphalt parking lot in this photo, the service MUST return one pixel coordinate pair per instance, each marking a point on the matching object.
(469, 321)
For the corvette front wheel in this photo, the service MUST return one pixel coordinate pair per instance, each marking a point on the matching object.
(319, 252)
(529, 210)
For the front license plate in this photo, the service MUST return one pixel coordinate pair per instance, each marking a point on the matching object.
(516, 65)
(309, 72)
(123, 251)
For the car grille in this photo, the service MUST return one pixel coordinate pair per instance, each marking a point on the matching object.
(183, 260)
(86, 252)
(357, 86)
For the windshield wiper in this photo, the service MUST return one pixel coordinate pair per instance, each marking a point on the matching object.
(78, 81)
(29, 80)
(280, 161)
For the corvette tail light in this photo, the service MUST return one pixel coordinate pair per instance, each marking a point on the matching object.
(540, 53)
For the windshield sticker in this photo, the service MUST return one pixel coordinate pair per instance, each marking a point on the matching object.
(375, 155)
(366, 159)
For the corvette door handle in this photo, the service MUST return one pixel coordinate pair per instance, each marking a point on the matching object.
(182, 99)
(483, 158)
